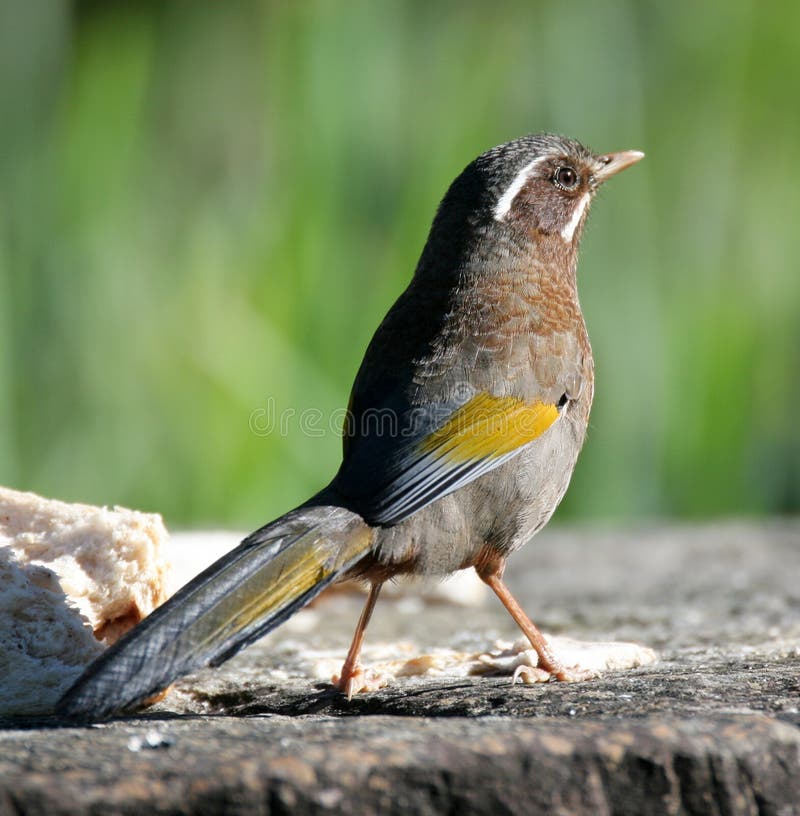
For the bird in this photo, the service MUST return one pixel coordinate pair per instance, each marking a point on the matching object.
(464, 426)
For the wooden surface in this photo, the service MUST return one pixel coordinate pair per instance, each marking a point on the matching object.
(713, 727)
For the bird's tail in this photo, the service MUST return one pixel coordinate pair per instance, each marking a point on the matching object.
(245, 594)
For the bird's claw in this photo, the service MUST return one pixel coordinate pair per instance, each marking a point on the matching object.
(529, 674)
(359, 680)
(533, 674)
(575, 674)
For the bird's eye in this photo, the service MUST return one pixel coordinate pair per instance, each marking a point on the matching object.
(566, 178)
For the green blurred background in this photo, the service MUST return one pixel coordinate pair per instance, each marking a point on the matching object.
(206, 208)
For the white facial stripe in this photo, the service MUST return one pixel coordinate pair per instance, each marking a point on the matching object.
(507, 199)
(569, 230)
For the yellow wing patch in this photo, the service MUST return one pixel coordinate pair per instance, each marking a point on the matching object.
(489, 426)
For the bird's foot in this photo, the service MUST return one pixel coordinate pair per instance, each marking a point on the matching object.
(156, 698)
(358, 680)
(533, 674)
(530, 674)
(575, 674)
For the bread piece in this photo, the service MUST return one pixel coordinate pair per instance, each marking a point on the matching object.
(72, 578)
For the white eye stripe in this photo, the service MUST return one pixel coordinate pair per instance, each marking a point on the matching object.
(569, 230)
(507, 199)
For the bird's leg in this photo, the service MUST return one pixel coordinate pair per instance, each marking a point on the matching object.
(353, 679)
(492, 574)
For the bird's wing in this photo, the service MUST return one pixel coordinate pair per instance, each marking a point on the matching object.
(439, 457)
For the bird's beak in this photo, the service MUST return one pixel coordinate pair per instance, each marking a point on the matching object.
(609, 164)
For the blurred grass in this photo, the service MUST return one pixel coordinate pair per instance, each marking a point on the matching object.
(205, 206)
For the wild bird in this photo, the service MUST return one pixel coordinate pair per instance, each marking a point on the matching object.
(465, 422)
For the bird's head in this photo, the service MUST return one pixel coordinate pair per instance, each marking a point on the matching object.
(545, 183)
(537, 187)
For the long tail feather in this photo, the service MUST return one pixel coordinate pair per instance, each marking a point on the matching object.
(245, 594)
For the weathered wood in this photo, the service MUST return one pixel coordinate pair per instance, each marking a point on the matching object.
(712, 728)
